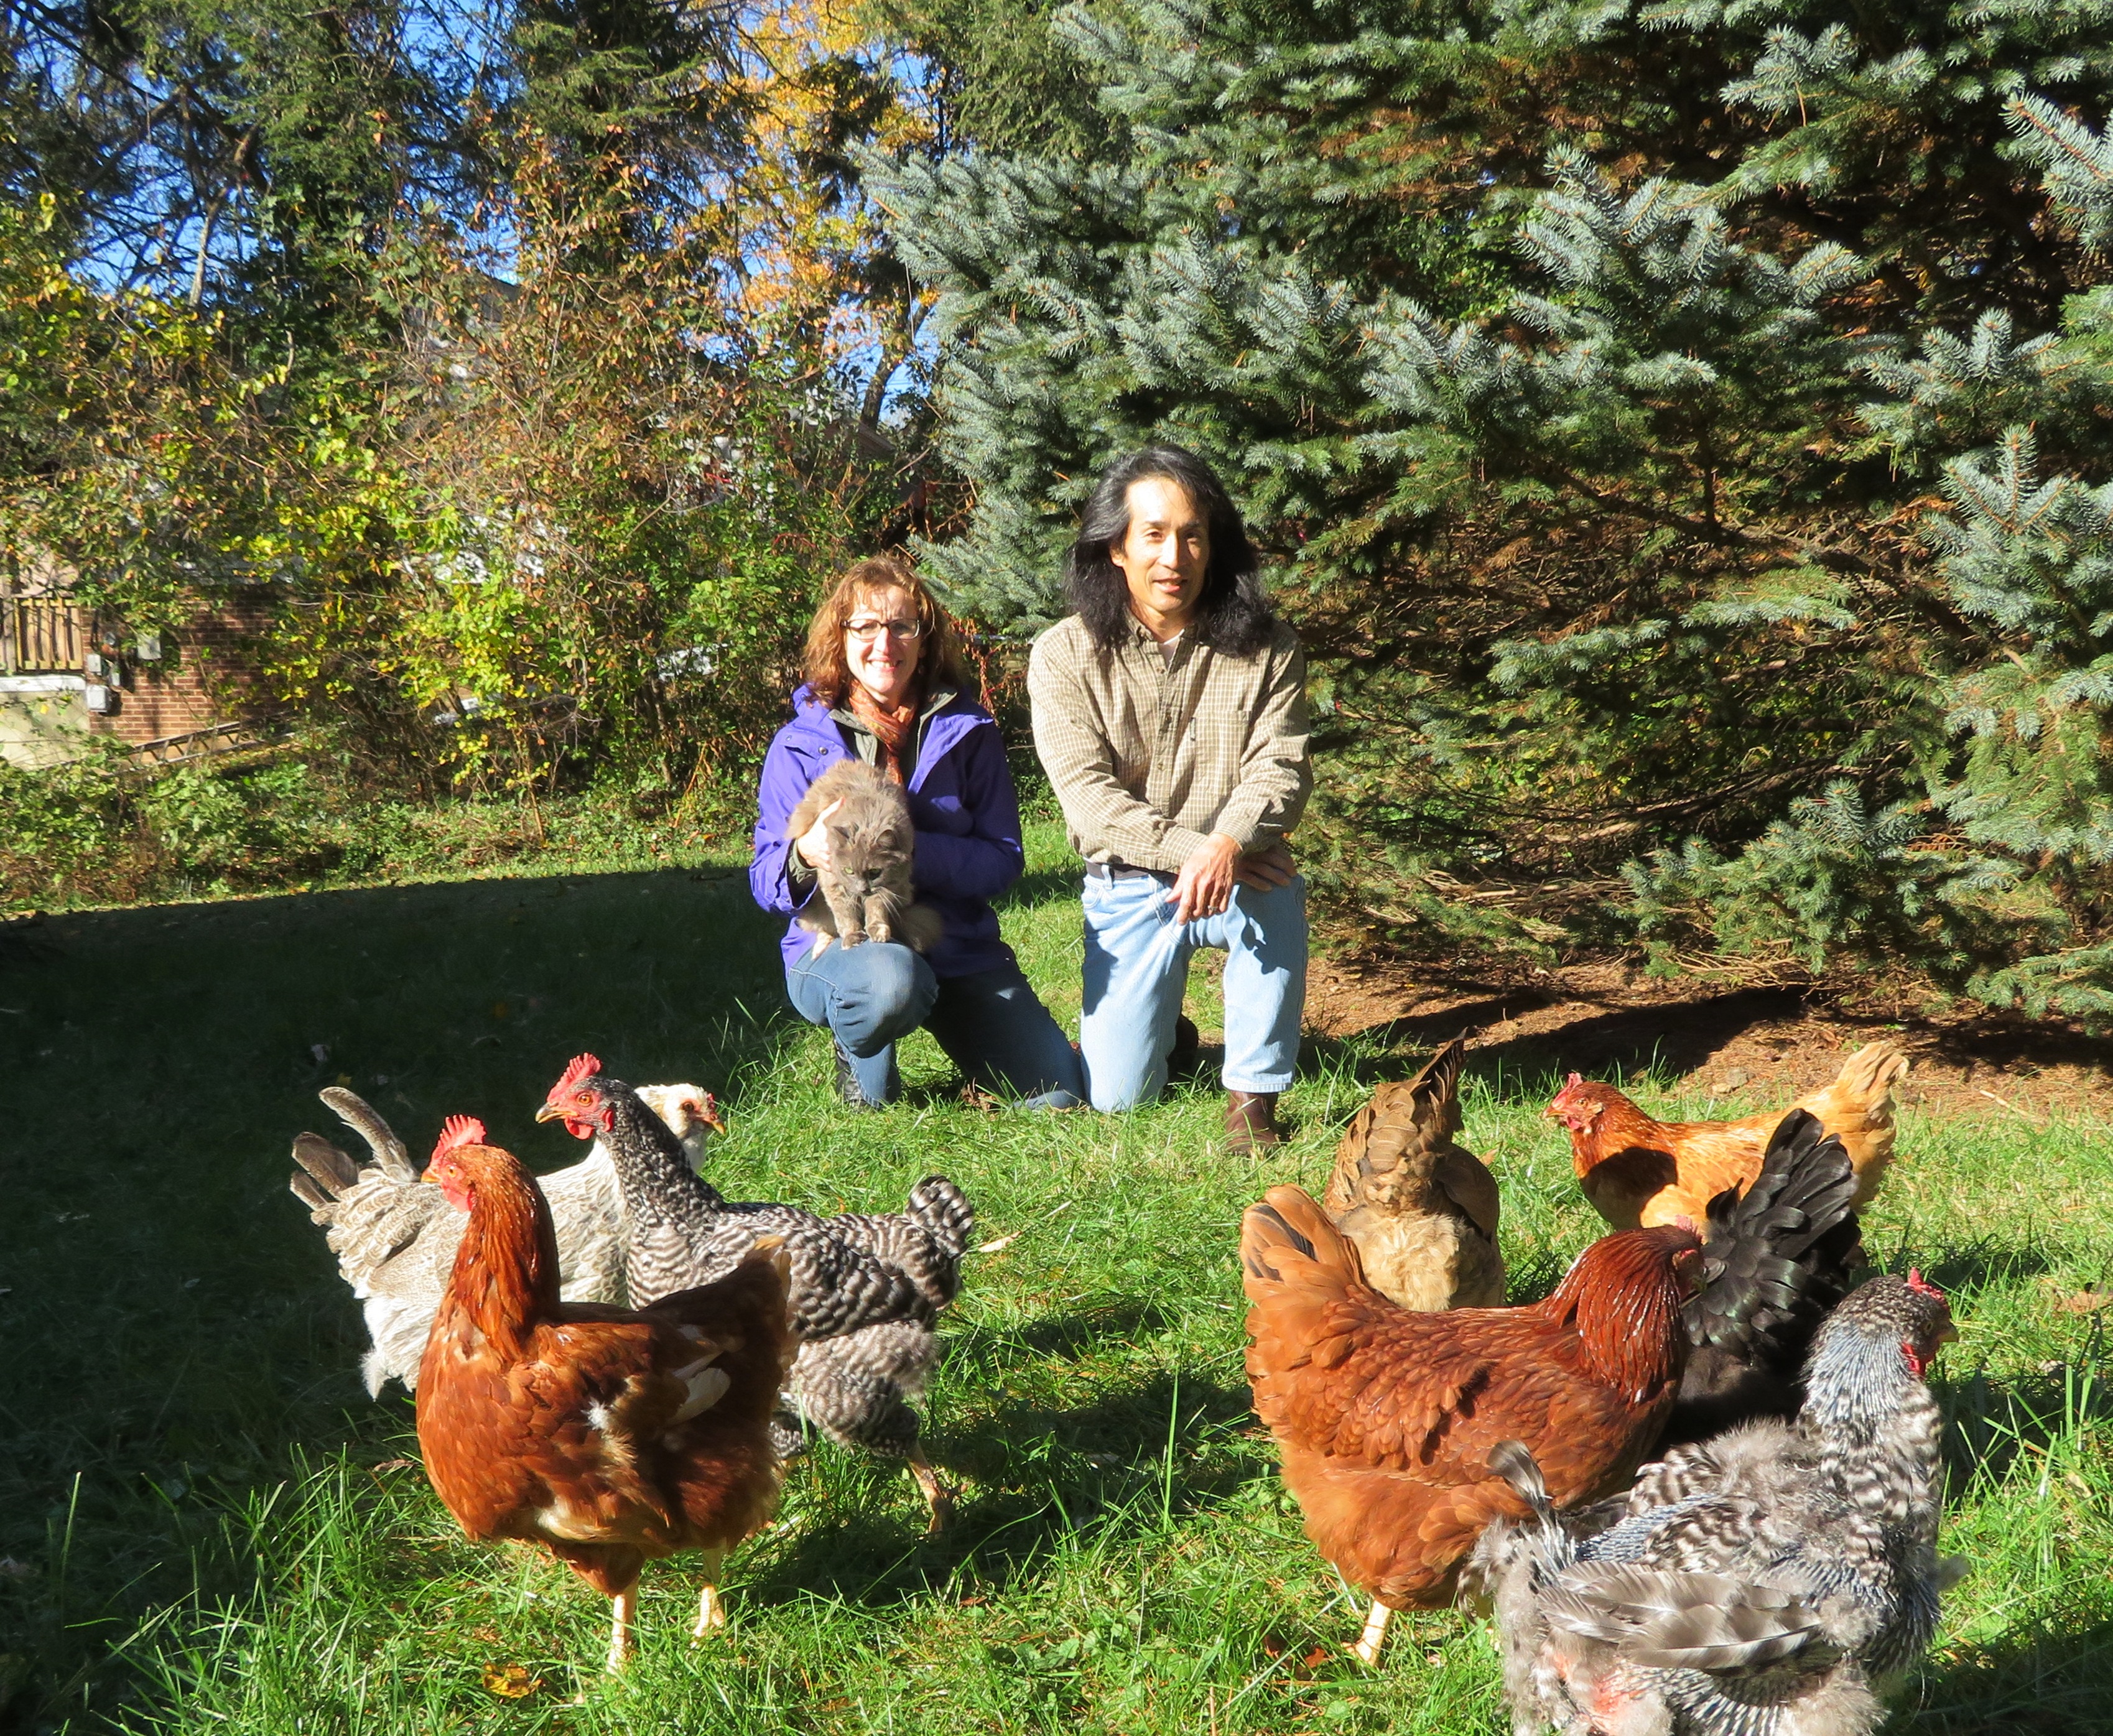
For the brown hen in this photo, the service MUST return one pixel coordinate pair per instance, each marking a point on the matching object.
(1636, 1171)
(609, 1437)
(1385, 1417)
(1421, 1207)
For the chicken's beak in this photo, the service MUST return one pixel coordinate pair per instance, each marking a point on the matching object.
(549, 1112)
(1949, 1335)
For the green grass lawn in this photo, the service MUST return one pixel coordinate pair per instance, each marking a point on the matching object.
(208, 1526)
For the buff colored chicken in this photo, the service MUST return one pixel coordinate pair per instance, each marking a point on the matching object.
(1421, 1207)
(1639, 1172)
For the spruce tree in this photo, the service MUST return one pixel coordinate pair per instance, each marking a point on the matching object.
(1634, 404)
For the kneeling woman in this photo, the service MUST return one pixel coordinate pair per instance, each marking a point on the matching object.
(885, 685)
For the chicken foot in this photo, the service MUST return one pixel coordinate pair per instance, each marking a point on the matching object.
(623, 1633)
(711, 1607)
(938, 1497)
(1366, 1651)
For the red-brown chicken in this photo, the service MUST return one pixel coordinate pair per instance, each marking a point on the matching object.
(1636, 1171)
(1385, 1418)
(609, 1437)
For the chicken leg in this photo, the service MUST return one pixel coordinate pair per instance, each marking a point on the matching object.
(1366, 1651)
(623, 1631)
(711, 1608)
(937, 1496)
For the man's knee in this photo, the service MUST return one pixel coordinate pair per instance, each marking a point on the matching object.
(1113, 1096)
(1276, 929)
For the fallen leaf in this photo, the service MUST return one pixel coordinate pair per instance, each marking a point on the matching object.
(510, 1681)
(2085, 1302)
(1315, 1658)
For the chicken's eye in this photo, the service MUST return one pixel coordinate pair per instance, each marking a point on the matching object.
(582, 1097)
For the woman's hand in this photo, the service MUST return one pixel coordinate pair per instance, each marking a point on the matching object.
(812, 847)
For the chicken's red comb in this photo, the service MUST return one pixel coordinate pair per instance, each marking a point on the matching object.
(1575, 1079)
(459, 1130)
(579, 1067)
(1921, 1285)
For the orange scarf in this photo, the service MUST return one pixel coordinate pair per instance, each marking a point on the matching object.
(890, 728)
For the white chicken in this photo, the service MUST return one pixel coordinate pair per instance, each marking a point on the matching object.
(394, 1237)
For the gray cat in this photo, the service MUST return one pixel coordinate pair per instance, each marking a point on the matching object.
(865, 890)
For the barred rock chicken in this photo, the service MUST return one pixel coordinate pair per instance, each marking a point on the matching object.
(1638, 1171)
(609, 1437)
(394, 1239)
(1779, 1257)
(1385, 1417)
(1773, 1582)
(865, 1288)
(1421, 1208)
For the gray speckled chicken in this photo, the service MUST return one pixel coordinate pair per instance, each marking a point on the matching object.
(865, 1288)
(394, 1237)
(1419, 1206)
(1773, 1582)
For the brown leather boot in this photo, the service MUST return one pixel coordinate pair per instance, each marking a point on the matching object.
(1251, 1122)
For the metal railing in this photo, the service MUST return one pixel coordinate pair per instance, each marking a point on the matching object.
(198, 744)
(40, 636)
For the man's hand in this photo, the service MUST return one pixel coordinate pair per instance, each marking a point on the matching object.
(1266, 870)
(1204, 886)
(812, 846)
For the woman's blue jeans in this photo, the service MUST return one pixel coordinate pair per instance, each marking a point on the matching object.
(991, 1025)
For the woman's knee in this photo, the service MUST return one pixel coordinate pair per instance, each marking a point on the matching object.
(878, 992)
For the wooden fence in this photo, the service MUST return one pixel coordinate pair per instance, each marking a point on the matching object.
(41, 636)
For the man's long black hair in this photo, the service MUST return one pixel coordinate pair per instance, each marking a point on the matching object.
(1233, 617)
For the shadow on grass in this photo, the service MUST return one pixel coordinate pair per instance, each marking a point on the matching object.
(1040, 1483)
(1993, 1423)
(171, 1055)
(1620, 1045)
(2052, 1676)
(1043, 886)
(1067, 1336)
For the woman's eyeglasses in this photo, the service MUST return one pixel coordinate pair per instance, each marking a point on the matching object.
(906, 633)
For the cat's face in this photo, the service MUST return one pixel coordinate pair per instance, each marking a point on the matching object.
(871, 844)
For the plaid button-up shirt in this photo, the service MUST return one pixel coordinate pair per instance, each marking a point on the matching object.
(1146, 757)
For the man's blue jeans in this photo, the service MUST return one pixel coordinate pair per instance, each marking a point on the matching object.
(991, 1025)
(1137, 967)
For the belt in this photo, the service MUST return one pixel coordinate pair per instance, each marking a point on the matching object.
(1123, 871)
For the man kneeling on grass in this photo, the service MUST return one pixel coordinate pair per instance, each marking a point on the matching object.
(1170, 712)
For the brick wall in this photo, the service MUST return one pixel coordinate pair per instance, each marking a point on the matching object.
(205, 673)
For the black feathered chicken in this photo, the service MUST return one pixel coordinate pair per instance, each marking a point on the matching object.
(1776, 1261)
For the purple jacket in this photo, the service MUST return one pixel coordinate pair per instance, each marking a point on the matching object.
(961, 799)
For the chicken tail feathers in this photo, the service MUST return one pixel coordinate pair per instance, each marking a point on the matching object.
(944, 1213)
(1287, 1239)
(1665, 1619)
(1781, 1252)
(330, 1173)
(1394, 1144)
(360, 1115)
(1515, 1463)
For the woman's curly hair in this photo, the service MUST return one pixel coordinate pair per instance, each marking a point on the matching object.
(939, 662)
(1234, 615)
